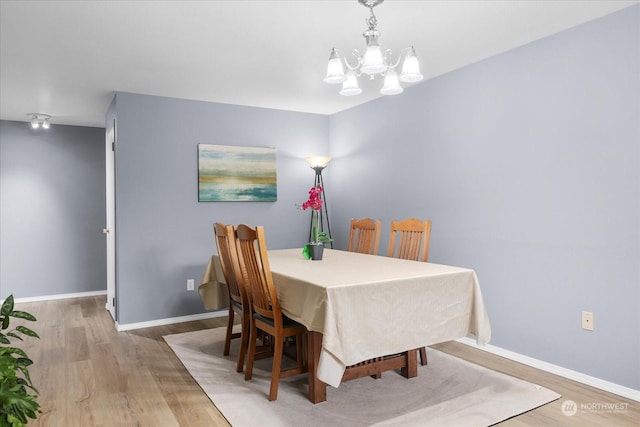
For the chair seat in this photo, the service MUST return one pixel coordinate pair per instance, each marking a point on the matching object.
(286, 321)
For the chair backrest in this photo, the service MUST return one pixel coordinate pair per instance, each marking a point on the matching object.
(364, 236)
(412, 236)
(225, 240)
(254, 264)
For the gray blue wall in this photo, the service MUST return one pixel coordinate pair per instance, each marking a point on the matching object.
(528, 164)
(52, 213)
(164, 236)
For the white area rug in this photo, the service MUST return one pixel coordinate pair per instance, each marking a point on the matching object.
(447, 392)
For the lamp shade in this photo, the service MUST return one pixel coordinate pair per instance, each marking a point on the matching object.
(411, 68)
(391, 83)
(318, 161)
(335, 70)
(350, 86)
(372, 62)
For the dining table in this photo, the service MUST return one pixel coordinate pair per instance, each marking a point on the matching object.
(369, 313)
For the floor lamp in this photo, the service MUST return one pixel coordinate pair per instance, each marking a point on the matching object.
(318, 163)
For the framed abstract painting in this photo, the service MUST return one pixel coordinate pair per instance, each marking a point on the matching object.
(229, 173)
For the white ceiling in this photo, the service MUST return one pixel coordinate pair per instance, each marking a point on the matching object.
(68, 58)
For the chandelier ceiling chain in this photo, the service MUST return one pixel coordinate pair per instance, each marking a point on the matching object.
(373, 62)
(372, 21)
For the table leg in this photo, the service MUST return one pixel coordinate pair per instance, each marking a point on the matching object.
(317, 388)
(411, 370)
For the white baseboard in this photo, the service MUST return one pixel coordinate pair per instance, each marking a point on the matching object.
(127, 326)
(557, 370)
(59, 296)
(171, 320)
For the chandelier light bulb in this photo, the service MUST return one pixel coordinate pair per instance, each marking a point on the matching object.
(34, 122)
(45, 123)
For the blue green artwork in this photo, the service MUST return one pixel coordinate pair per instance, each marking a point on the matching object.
(228, 173)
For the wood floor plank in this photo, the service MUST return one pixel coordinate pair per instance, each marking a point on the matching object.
(133, 378)
(76, 344)
(146, 400)
(81, 392)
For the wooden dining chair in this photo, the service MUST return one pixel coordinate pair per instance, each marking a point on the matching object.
(238, 298)
(267, 315)
(412, 236)
(409, 239)
(364, 236)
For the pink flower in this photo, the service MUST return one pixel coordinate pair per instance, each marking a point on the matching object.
(314, 202)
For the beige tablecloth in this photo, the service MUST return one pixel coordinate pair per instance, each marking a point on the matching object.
(368, 306)
(213, 288)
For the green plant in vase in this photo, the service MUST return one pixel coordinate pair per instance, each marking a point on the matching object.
(318, 238)
(16, 401)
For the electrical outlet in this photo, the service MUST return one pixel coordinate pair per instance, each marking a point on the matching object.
(190, 284)
(587, 320)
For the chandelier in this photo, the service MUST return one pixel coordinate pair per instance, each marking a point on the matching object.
(374, 62)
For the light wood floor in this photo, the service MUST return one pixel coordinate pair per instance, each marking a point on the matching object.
(90, 375)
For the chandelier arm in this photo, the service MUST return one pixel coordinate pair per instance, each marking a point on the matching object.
(354, 68)
(387, 55)
(406, 49)
(340, 54)
(355, 53)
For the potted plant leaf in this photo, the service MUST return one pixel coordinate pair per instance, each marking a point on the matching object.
(17, 403)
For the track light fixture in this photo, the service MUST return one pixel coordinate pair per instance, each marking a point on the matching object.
(39, 119)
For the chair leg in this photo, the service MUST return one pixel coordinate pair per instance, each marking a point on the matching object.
(423, 356)
(227, 340)
(275, 369)
(252, 352)
(244, 341)
(299, 355)
(301, 351)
